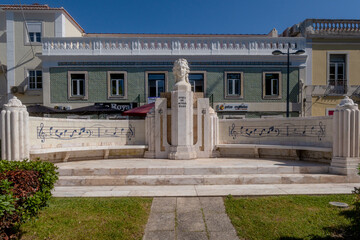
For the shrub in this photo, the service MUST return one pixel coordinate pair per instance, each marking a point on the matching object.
(25, 188)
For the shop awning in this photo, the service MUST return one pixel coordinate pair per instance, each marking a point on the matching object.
(40, 109)
(140, 111)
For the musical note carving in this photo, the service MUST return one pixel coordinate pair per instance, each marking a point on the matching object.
(60, 133)
(282, 130)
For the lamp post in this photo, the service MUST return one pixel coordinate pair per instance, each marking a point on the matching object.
(278, 52)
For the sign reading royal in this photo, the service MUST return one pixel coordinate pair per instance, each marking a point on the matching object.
(232, 107)
(122, 107)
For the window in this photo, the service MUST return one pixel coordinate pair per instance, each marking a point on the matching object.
(233, 84)
(117, 85)
(34, 30)
(77, 82)
(272, 85)
(78, 85)
(35, 79)
(197, 82)
(156, 84)
(337, 73)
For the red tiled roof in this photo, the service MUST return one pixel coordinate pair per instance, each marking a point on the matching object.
(38, 7)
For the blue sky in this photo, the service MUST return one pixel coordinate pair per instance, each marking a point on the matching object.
(198, 16)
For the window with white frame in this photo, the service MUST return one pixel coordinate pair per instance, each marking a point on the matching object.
(77, 82)
(271, 84)
(337, 70)
(117, 84)
(197, 82)
(34, 31)
(156, 84)
(35, 79)
(233, 84)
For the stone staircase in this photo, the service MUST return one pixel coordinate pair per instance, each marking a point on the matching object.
(154, 172)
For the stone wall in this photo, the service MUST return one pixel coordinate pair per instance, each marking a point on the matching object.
(56, 132)
(314, 131)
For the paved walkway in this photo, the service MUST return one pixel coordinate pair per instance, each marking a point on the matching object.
(204, 190)
(191, 218)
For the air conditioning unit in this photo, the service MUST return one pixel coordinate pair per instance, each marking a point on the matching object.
(18, 89)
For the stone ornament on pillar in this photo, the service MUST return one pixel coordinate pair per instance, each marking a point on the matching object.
(346, 121)
(15, 131)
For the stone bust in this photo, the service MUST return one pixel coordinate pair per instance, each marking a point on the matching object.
(181, 70)
(181, 73)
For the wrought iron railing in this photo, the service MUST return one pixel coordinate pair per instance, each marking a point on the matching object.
(356, 93)
(338, 87)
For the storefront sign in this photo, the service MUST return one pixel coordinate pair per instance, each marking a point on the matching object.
(232, 107)
(122, 107)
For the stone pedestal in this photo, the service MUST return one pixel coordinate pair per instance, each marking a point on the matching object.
(182, 124)
(15, 131)
(182, 146)
(346, 157)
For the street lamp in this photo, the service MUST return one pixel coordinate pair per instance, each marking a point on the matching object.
(278, 52)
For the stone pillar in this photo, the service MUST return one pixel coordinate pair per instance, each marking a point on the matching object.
(15, 132)
(150, 134)
(182, 124)
(346, 122)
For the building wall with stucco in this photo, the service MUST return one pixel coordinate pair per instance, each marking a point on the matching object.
(322, 103)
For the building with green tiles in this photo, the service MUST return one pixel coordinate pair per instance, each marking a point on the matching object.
(226, 86)
(75, 70)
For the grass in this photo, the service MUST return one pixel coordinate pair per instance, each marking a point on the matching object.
(291, 217)
(90, 218)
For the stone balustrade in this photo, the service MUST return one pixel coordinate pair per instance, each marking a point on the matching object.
(169, 46)
(326, 25)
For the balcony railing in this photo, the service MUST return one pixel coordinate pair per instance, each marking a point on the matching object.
(169, 46)
(356, 93)
(338, 87)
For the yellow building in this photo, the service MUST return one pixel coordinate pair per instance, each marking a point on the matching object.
(334, 61)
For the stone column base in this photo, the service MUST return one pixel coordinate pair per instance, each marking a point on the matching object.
(149, 154)
(344, 165)
(182, 153)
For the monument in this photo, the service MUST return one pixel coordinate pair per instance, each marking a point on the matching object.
(182, 146)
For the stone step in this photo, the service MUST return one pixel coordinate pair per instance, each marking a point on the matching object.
(231, 179)
(221, 170)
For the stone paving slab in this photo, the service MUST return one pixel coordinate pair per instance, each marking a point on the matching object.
(204, 190)
(141, 164)
(190, 222)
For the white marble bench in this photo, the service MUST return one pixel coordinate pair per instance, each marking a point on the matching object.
(255, 148)
(68, 150)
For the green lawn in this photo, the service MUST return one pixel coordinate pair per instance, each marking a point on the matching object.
(291, 217)
(90, 218)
